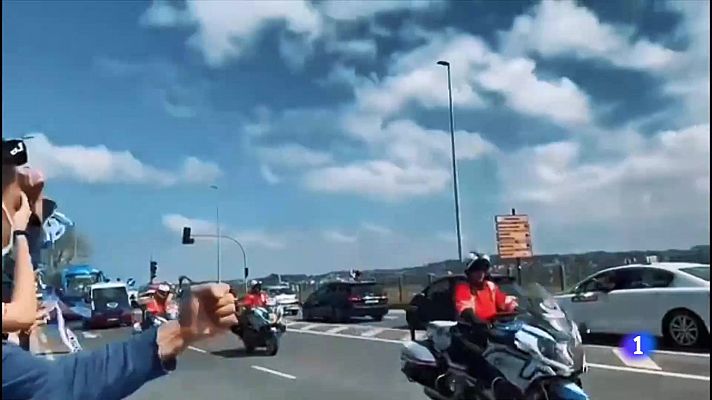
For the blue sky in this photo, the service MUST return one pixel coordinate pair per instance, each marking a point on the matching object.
(324, 124)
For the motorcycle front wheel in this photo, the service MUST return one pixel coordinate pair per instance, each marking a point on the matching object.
(272, 346)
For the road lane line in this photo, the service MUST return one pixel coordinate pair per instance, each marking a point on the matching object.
(89, 335)
(198, 350)
(337, 329)
(390, 317)
(640, 362)
(373, 332)
(396, 311)
(273, 372)
(650, 372)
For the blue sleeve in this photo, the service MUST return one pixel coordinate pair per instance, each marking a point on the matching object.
(112, 372)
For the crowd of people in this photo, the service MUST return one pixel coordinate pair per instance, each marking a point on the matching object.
(112, 372)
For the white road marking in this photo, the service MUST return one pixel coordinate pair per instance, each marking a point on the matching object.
(373, 339)
(198, 350)
(273, 372)
(337, 329)
(308, 327)
(373, 332)
(390, 317)
(670, 352)
(396, 311)
(651, 372)
(89, 335)
(641, 362)
(592, 365)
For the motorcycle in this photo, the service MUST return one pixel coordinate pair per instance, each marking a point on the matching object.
(537, 349)
(261, 327)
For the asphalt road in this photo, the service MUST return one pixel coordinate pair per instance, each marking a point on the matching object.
(361, 361)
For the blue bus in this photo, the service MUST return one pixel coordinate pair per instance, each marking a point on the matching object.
(77, 279)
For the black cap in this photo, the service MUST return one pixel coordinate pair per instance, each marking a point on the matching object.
(14, 152)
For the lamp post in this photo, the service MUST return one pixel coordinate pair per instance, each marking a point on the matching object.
(217, 225)
(454, 163)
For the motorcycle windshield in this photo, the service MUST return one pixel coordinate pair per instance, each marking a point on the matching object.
(538, 307)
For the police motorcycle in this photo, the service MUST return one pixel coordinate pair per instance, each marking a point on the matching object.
(537, 349)
(262, 327)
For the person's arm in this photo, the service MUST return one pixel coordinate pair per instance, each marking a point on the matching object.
(20, 313)
(503, 302)
(463, 298)
(112, 372)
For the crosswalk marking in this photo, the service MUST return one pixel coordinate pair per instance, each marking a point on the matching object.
(308, 327)
(644, 362)
(373, 332)
(337, 329)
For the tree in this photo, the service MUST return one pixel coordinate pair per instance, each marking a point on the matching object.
(70, 248)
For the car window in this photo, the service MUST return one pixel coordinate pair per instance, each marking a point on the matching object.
(592, 283)
(654, 278)
(367, 290)
(699, 272)
(438, 288)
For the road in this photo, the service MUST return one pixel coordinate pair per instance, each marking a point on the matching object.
(361, 361)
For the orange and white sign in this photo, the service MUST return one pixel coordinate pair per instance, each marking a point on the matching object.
(514, 239)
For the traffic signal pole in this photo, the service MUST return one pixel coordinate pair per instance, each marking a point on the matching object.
(190, 239)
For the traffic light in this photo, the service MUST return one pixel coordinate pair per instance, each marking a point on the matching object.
(186, 236)
(154, 268)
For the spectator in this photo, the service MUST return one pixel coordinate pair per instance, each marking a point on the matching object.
(114, 371)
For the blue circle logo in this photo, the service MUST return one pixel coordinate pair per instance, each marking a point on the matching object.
(638, 345)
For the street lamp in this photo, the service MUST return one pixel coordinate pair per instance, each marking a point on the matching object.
(454, 162)
(217, 224)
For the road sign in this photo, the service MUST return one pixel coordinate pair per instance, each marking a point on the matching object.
(514, 238)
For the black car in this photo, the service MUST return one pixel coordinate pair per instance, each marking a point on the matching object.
(340, 301)
(436, 303)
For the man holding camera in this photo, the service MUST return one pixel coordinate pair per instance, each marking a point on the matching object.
(114, 371)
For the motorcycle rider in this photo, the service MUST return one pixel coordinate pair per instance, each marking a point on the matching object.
(477, 302)
(256, 297)
(161, 298)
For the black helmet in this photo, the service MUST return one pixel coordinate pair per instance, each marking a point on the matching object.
(478, 264)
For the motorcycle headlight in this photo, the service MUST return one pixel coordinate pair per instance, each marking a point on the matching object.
(547, 348)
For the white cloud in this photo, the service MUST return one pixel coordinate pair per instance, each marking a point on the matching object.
(559, 28)
(99, 164)
(377, 229)
(350, 10)
(415, 79)
(378, 179)
(293, 155)
(659, 181)
(561, 101)
(269, 176)
(339, 237)
(354, 49)
(225, 30)
(175, 223)
(161, 15)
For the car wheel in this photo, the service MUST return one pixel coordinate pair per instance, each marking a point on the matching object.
(307, 315)
(338, 315)
(683, 328)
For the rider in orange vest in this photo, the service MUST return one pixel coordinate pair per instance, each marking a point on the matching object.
(477, 302)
